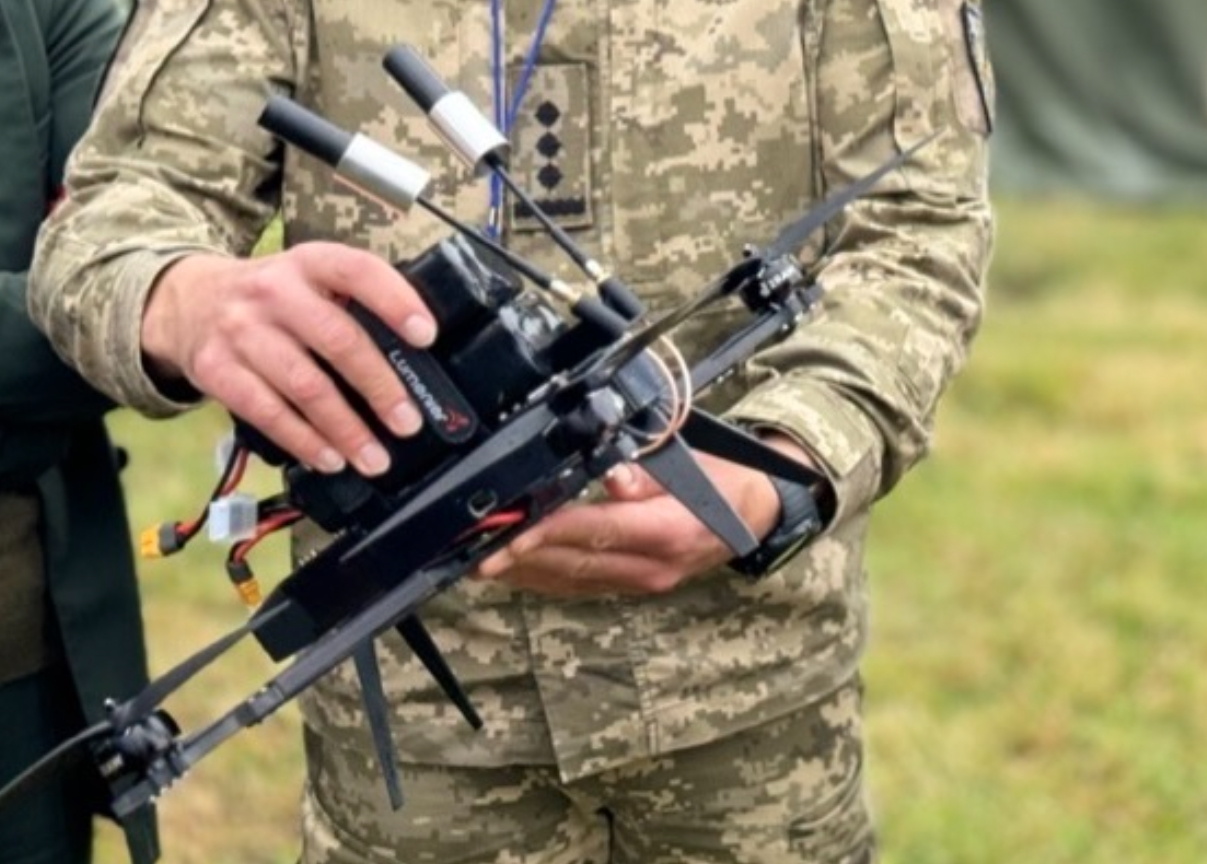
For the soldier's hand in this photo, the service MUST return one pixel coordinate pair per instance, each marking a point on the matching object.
(241, 332)
(641, 541)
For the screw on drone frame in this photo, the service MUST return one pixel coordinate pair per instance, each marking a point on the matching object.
(483, 148)
(386, 176)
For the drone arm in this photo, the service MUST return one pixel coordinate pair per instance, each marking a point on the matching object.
(338, 645)
(744, 343)
(355, 570)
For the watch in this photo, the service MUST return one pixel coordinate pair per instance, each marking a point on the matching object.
(800, 521)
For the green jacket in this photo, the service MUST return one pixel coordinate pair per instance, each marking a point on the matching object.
(52, 437)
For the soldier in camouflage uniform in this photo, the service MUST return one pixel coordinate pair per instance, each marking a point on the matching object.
(642, 702)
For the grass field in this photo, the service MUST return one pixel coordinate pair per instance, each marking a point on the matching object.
(1034, 681)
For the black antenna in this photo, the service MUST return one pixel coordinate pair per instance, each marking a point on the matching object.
(472, 137)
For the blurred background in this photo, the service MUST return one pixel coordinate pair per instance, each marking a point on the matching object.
(1035, 683)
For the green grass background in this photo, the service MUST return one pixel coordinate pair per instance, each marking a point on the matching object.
(1035, 681)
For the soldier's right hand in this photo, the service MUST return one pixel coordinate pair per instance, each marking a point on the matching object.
(242, 332)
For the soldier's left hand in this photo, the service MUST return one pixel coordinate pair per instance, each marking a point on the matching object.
(639, 541)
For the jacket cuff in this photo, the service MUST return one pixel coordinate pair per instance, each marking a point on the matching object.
(135, 279)
(845, 445)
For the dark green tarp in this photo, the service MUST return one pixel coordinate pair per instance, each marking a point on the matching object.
(1106, 97)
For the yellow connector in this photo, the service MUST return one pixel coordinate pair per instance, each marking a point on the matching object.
(244, 581)
(159, 540)
(249, 592)
(148, 543)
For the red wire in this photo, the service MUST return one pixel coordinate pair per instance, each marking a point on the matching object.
(237, 473)
(186, 530)
(495, 520)
(268, 526)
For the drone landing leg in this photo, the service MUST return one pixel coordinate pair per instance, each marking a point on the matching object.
(142, 842)
(711, 435)
(411, 629)
(680, 474)
(374, 697)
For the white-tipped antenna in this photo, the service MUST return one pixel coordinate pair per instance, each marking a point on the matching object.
(462, 126)
(358, 160)
(475, 140)
(385, 175)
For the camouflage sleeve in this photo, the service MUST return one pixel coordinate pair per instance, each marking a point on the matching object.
(173, 163)
(903, 269)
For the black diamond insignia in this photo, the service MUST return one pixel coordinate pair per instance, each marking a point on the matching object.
(547, 113)
(548, 145)
(549, 176)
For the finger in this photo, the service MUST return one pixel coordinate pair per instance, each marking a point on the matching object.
(295, 375)
(562, 571)
(366, 278)
(249, 397)
(494, 564)
(334, 335)
(283, 291)
(498, 561)
(655, 527)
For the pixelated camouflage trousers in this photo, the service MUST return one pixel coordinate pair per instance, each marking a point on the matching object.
(790, 790)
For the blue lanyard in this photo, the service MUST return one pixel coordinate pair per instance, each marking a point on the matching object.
(504, 112)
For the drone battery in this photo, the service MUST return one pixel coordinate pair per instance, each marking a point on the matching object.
(330, 499)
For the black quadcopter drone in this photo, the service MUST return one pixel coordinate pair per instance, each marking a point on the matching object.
(566, 401)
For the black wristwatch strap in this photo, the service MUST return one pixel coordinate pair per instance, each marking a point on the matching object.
(800, 521)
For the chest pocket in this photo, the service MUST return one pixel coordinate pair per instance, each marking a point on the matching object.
(24, 134)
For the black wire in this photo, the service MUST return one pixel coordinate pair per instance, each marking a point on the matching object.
(272, 505)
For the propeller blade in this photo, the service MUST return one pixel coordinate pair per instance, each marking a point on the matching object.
(681, 475)
(794, 234)
(411, 629)
(67, 755)
(627, 349)
(374, 697)
(789, 241)
(164, 686)
(648, 335)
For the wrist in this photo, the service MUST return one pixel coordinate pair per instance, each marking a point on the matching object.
(801, 510)
(823, 491)
(166, 321)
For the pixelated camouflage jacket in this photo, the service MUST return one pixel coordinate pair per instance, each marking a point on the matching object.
(666, 134)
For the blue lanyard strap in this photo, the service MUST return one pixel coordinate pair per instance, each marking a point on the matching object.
(505, 113)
